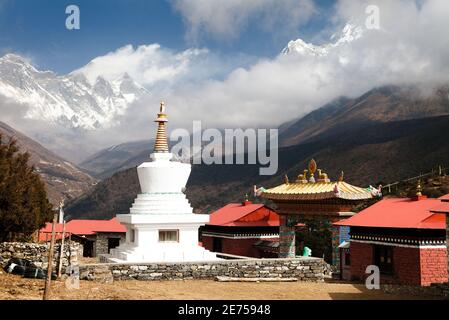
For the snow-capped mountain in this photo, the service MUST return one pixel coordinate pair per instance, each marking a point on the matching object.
(349, 33)
(69, 100)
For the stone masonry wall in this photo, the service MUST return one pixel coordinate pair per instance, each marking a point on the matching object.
(38, 253)
(101, 243)
(305, 269)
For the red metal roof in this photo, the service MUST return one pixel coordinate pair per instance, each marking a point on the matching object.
(444, 198)
(244, 215)
(399, 213)
(86, 227)
(443, 207)
(83, 228)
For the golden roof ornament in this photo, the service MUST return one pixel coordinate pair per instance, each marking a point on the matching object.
(312, 166)
(312, 170)
(342, 176)
(161, 141)
(322, 176)
(419, 189)
(302, 178)
(286, 179)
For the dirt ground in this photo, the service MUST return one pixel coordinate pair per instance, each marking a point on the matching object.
(16, 287)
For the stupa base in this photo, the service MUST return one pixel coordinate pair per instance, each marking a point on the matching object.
(137, 255)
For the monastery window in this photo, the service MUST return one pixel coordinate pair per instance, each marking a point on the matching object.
(168, 235)
(132, 235)
(383, 258)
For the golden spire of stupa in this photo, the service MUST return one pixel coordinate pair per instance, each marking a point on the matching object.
(161, 142)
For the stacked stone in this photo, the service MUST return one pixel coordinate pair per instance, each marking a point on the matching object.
(38, 253)
(303, 269)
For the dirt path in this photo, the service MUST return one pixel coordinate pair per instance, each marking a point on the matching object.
(16, 287)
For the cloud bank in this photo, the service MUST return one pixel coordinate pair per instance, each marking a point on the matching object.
(227, 19)
(201, 85)
(410, 47)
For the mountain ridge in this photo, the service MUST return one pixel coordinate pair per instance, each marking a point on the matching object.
(68, 100)
(63, 180)
(386, 134)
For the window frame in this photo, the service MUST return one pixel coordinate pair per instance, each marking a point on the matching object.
(168, 230)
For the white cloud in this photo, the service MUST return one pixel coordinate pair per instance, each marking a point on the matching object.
(147, 64)
(410, 48)
(226, 19)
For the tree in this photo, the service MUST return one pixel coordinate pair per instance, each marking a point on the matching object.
(317, 236)
(24, 207)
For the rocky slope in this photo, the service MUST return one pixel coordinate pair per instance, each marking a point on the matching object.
(376, 153)
(106, 162)
(62, 178)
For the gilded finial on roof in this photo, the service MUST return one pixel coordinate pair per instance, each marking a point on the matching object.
(419, 189)
(286, 179)
(342, 176)
(312, 170)
(312, 166)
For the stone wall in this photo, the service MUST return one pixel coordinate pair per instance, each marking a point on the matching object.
(101, 242)
(435, 291)
(38, 253)
(305, 269)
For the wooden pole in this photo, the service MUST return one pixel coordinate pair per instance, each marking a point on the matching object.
(50, 258)
(61, 252)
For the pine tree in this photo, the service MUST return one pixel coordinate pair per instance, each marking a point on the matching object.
(24, 206)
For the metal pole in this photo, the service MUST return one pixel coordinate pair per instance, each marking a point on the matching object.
(50, 258)
(61, 252)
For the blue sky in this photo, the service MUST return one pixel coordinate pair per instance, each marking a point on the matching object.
(37, 29)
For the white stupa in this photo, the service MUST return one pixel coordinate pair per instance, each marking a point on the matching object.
(161, 226)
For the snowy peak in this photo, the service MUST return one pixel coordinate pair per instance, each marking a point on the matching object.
(68, 100)
(349, 34)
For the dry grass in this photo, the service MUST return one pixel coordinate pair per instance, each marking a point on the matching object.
(16, 287)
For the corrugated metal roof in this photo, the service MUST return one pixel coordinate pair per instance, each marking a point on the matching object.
(86, 227)
(398, 213)
(317, 190)
(244, 215)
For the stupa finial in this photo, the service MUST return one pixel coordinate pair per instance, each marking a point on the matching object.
(161, 142)
(162, 108)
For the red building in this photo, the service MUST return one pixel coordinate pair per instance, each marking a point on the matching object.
(96, 236)
(403, 237)
(243, 229)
